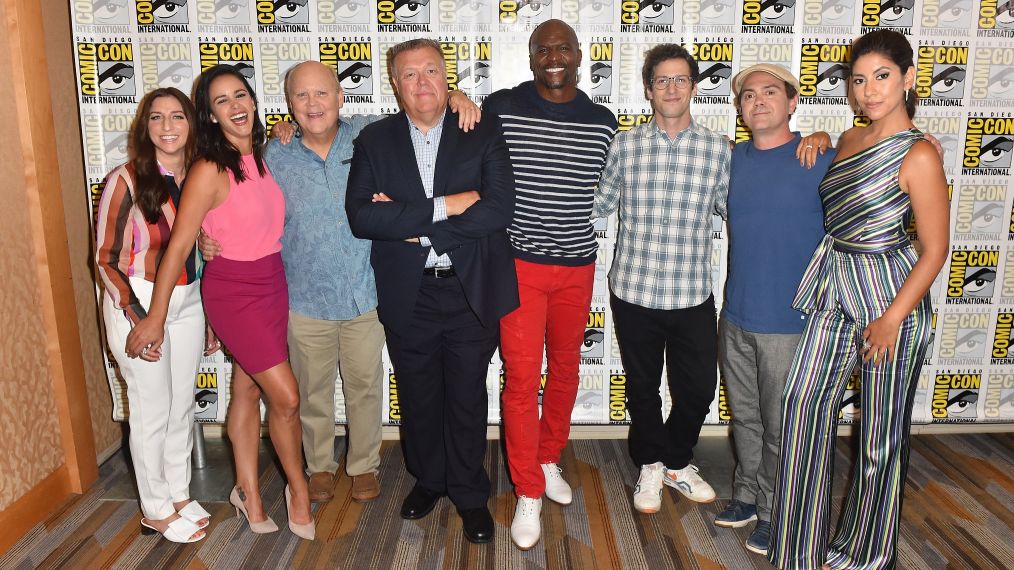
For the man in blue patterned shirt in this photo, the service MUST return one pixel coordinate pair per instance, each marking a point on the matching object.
(666, 178)
(332, 293)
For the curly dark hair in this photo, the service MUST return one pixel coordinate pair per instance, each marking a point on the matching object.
(663, 52)
(212, 145)
(150, 188)
(892, 45)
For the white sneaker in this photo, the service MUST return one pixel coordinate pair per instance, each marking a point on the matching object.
(557, 490)
(688, 482)
(526, 528)
(648, 493)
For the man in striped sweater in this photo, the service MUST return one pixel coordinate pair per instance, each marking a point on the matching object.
(558, 141)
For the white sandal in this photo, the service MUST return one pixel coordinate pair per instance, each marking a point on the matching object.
(180, 530)
(195, 513)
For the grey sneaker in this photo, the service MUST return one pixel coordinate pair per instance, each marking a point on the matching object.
(760, 538)
(736, 514)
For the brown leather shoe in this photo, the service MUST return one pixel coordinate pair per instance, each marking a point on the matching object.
(365, 487)
(321, 486)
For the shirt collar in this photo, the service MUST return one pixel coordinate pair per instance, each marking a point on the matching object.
(439, 127)
(654, 130)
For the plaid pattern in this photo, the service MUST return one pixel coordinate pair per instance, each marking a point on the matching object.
(666, 192)
(426, 146)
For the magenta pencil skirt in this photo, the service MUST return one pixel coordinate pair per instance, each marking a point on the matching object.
(247, 304)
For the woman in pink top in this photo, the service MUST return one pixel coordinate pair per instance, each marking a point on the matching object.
(232, 194)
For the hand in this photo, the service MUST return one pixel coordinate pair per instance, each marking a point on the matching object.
(145, 339)
(210, 248)
(211, 342)
(468, 112)
(283, 131)
(810, 146)
(457, 203)
(381, 197)
(879, 340)
(935, 142)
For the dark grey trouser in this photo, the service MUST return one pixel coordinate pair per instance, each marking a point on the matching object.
(755, 367)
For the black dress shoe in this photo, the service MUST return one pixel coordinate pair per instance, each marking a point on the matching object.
(418, 503)
(477, 525)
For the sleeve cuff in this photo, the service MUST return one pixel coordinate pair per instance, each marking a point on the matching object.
(439, 209)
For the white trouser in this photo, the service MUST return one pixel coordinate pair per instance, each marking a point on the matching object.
(160, 396)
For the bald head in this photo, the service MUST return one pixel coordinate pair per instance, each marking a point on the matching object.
(315, 97)
(554, 56)
(551, 26)
(308, 67)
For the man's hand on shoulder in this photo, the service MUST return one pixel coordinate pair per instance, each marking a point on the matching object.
(283, 131)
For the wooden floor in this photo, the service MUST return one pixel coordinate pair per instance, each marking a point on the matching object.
(958, 513)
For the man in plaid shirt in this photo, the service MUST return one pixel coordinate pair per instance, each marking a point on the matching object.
(667, 178)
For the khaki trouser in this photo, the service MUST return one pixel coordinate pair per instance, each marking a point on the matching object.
(318, 350)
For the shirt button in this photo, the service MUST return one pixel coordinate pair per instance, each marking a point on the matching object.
(665, 220)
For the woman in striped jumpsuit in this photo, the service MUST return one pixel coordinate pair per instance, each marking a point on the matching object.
(866, 293)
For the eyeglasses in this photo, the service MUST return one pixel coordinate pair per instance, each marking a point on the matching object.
(662, 83)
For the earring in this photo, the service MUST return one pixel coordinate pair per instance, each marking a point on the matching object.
(906, 95)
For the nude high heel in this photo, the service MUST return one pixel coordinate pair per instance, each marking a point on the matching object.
(263, 527)
(305, 531)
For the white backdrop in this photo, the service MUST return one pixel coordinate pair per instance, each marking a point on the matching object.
(965, 75)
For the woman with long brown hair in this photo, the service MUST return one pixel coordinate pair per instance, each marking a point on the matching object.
(135, 216)
(232, 195)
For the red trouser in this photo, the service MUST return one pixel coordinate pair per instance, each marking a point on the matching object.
(555, 300)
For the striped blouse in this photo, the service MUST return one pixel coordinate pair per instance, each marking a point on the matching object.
(127, 245)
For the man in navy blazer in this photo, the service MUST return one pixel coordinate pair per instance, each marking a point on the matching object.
(436, 202)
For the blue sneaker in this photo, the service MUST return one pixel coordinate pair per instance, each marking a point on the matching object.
(760, 538)
(736, 514)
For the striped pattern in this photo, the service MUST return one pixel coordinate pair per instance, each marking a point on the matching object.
(557, 151)
(855, 289)
(959, 511)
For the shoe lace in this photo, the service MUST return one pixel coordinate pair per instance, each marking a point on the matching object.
(650, 479)
(527, 505)
(554, 471)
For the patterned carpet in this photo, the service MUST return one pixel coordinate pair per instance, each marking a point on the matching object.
(958, 513)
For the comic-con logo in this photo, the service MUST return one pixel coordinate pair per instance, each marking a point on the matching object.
(393, 406)
(940, 75)
(94, 196)
(768, 17)
(724, 409)
(588, 404)
(980, 211)
(992, 77)
(94, 148)
(647, 16)
(162, 16)
(998, 402)
(988, 145)
(277, 58)
(582, 12)
(955, 397)
(273, 116)
(352, 60)
(945, 17)
(811, 120)
(106, 72)
(715, 61)
(828, 13)
(971, 276)
(946, 125)
(1007, 285)
(524, 11)
(238, 54)
(593, 348)
(403, 15)
(286, 16)
(468, 66)
(713, 13)
(114, 126)
(166, 63)
(92, 14)
(890, 14)
(1003, 337)
(931, 343)
(851, 401)
(618, 398)
(628, 121)
(600, 73)
(763, 49)
(963, 338)
(823, 73)
(333, 15)
(206, 396)
(996, 19)
(465, 15)
(224, 16)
